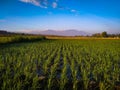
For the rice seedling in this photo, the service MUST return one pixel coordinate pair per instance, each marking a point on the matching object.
(60, 64)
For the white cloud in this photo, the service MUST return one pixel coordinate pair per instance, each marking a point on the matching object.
(76, 12)
(47, 3)
(54, 5)
(73, 10)
(35, 2)
(42, 3)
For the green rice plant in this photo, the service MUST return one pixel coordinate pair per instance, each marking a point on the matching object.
(74, 69)
(35, 83)
(53, 73)
(87, 59)
(64, 78)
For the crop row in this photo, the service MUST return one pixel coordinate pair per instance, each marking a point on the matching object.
(61, 64)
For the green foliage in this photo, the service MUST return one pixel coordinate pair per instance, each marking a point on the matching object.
(104, 34)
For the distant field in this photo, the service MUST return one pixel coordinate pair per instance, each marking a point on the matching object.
(84, 64)
(29, 38)
(19, 38)
(82, 37)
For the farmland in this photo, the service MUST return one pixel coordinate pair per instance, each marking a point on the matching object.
(19, 38)
(82, 64)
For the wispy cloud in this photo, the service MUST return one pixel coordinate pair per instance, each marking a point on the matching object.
(54, 5)
(36, 3)
(73, 10)
(46, 4)
(76, 12)
(42, 3)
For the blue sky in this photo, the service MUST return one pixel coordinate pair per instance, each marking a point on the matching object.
(84, 15)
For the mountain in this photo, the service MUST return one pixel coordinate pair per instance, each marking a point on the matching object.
(8, 33)
(71, 32)
(3, 32)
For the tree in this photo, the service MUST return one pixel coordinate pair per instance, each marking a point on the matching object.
(104, 34)
(97, 35)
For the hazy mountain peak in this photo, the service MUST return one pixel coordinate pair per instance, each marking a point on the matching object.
(70, 32)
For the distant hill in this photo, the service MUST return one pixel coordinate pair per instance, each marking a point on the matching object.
(71, 32)
(62, 33)
(6, 33)
(3, 32)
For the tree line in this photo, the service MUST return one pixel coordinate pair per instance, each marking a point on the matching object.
(105, 35)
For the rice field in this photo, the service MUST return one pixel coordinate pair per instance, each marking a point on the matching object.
(19, 38)
(86, 64)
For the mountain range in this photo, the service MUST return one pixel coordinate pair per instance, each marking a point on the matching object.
(61, 33)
